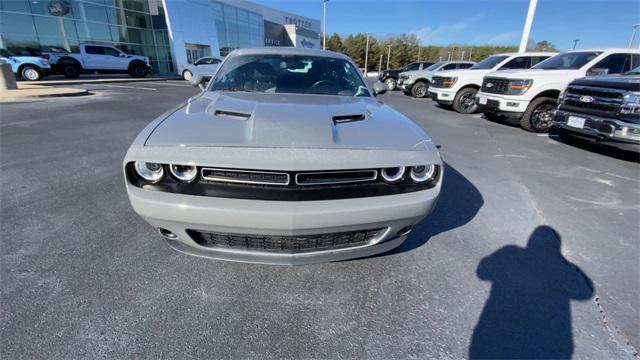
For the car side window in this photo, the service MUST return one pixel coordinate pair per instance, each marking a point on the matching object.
(111, 51)
(449, 67)
(94, 50)
(522, 62)
(201, 61)
(614, 63)
(411, 67)
(537, 59)
(464, 66)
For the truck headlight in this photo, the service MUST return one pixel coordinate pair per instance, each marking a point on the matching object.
(448, 82)
(519, 87)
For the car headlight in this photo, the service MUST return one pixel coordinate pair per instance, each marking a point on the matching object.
(448, 82)
(392, 175)
(423, 173)
(519, 87)
(149, 171)
(631, 103)
(184, 173)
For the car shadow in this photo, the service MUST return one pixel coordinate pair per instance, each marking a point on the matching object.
(528, 313)
(459, 202)
(598, 148)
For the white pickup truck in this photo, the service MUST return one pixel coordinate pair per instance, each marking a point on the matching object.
(100, 59)
(532, 95)
(458, 88)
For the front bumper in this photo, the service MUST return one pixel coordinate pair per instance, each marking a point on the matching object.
(508, 106)
(607, 131)
(178, 213)
(442, 96)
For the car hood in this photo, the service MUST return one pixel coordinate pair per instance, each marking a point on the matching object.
(467, 73)
(28, 59)
(628, 82)
(533, 73)
(287, 121)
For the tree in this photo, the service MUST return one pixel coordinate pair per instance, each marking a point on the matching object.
(334, 43)
(543, 45)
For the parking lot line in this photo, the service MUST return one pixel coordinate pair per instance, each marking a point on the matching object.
(172, 84)
(130, 87)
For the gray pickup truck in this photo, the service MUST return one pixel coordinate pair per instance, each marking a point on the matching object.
(602, 109)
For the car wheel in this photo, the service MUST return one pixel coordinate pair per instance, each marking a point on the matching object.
(138, 71)
(391, 83)
(30, 73)
(465, 101)
(71, 71)
(419, 89)
(187, 75)
(539, 115)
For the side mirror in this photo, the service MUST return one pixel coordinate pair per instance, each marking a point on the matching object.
(597, 71)
(199, 81)
(122, 55)
(379, 88)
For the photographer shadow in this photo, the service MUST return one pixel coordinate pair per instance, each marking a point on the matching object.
(528, 313)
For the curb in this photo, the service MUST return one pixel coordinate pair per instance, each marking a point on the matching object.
(101, 81)
(83, 92)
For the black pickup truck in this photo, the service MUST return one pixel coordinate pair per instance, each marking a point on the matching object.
(602, 109)
(390, 77)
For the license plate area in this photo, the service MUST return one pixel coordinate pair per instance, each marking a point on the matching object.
(576, 122)
(482, 100)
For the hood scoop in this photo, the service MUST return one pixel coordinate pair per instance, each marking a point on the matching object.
(348, 118)
(232, 114)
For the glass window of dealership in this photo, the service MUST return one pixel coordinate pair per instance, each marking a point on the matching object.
(135, 26)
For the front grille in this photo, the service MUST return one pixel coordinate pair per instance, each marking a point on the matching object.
(284, 244)
(436, 81)
(592, 100)
(245, 176)
(335, 177)
(495, 85)
(599, 126)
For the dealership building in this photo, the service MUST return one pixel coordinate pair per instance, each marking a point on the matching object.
(172, 33)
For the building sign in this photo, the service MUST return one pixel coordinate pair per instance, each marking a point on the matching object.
(299, 22)
(305, 42)
(58, 7)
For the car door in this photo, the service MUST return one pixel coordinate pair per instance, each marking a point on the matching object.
(115, 59)
(206, 65)
(93, 57)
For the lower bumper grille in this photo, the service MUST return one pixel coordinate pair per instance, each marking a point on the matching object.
(284, 244)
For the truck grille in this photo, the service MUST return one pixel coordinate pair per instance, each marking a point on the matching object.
(495, 85)
(598, 101)
(284, 244)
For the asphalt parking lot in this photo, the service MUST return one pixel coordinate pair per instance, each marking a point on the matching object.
(532, 251)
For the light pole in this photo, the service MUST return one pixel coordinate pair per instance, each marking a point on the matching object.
(388, 55)
(419, 51)
(575, 43)
(634, 28)
(380, 65)
(527, 25)
(324, 24)
(366, 56)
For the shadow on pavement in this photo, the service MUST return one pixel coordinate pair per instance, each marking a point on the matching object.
(528, 314)
(597, 148)
(458, 204)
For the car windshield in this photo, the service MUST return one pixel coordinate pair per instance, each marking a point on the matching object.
(295, 74)
(434, 66)
(489, 62)
(568, 61)
(634, 71)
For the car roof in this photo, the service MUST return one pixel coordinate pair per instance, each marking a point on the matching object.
(528, 53)
(627, 50)
(457, 62)
(287, 51)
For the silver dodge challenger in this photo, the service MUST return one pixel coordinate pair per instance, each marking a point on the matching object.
(285, 157)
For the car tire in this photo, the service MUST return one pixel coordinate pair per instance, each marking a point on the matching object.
(465, 101)
(391, 83)
(419, 89)
(538, 117)
(30, 73)
(187, 75)
(138, 70)
(71, 71)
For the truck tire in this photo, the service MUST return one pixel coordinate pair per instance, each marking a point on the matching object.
(391, 83)
(538, 117)
(30, 73)
(465, 101)
(137, 70)
(419, 89)
(70, 70)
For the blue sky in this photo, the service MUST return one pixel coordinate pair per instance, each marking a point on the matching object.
(597, 23)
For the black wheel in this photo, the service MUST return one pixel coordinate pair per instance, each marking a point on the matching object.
(137, 70)
(494, 117)
(71, 71)
(391, 83)
(419, 89)
(539, 115)
(465, 101)
(30, 73)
